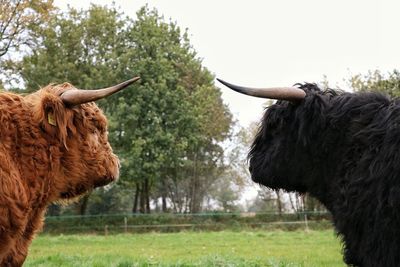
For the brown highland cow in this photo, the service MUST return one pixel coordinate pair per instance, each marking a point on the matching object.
(53, 146)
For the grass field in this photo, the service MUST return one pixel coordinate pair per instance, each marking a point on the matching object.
(247, 248)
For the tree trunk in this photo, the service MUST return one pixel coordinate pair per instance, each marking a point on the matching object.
(194, 202)
(291, 202)
(164, 196)
(83, 204)
(147, 195)
(136, 199)
(142, 207)
(279, 201)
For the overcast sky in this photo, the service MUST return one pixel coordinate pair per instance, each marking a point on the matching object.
(279, 43)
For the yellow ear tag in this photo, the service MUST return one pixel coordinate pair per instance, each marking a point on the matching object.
(50, 119)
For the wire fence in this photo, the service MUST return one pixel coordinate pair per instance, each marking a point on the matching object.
(167, 222)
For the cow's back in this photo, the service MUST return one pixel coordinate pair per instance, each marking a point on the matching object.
(13, 111)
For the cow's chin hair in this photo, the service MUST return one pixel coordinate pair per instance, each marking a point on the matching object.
(65, 201)
(67, 198)
(104, 181)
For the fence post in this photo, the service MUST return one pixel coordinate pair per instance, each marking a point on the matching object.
(106, 230)
(306, 221)
(126, 225)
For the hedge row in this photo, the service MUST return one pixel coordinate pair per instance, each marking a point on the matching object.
(117, 223)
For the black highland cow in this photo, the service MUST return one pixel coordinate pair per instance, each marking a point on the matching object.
(343, 149)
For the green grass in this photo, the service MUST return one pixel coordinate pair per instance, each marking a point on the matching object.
(228, 248)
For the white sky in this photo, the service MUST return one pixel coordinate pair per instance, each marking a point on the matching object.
(279, 43)
(270, 43)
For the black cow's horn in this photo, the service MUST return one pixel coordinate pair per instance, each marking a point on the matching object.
(279, 93)
(76, 97)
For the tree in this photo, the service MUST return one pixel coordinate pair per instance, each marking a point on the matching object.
(107, 200)
(227, 187)
(174, 119)
(19, 20)
(265, 201)
(157, 117)
(226, 193)
(377, 81)
(80, 47)
(169, 128)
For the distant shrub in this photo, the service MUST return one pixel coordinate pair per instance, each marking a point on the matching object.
(137, 223)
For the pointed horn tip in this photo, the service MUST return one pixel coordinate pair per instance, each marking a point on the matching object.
(221, 81)
(232, 86)
(226, 83)
(124, 84)
(134, 79)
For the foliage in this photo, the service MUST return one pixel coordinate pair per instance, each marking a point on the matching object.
(109, 200)
(79, 47)
(265, 200)
(168, 129)
(378, 82)
(226, 193)
(19, 22)
(173, 120)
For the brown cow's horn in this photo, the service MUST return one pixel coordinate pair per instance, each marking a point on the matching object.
(280, 93)
(76, 97)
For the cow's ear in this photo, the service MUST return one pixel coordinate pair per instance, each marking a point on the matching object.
(52, 115)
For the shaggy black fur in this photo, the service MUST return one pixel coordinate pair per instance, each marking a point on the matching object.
(343, 149)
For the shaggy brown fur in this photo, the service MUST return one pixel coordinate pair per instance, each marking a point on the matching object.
(41, 163)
